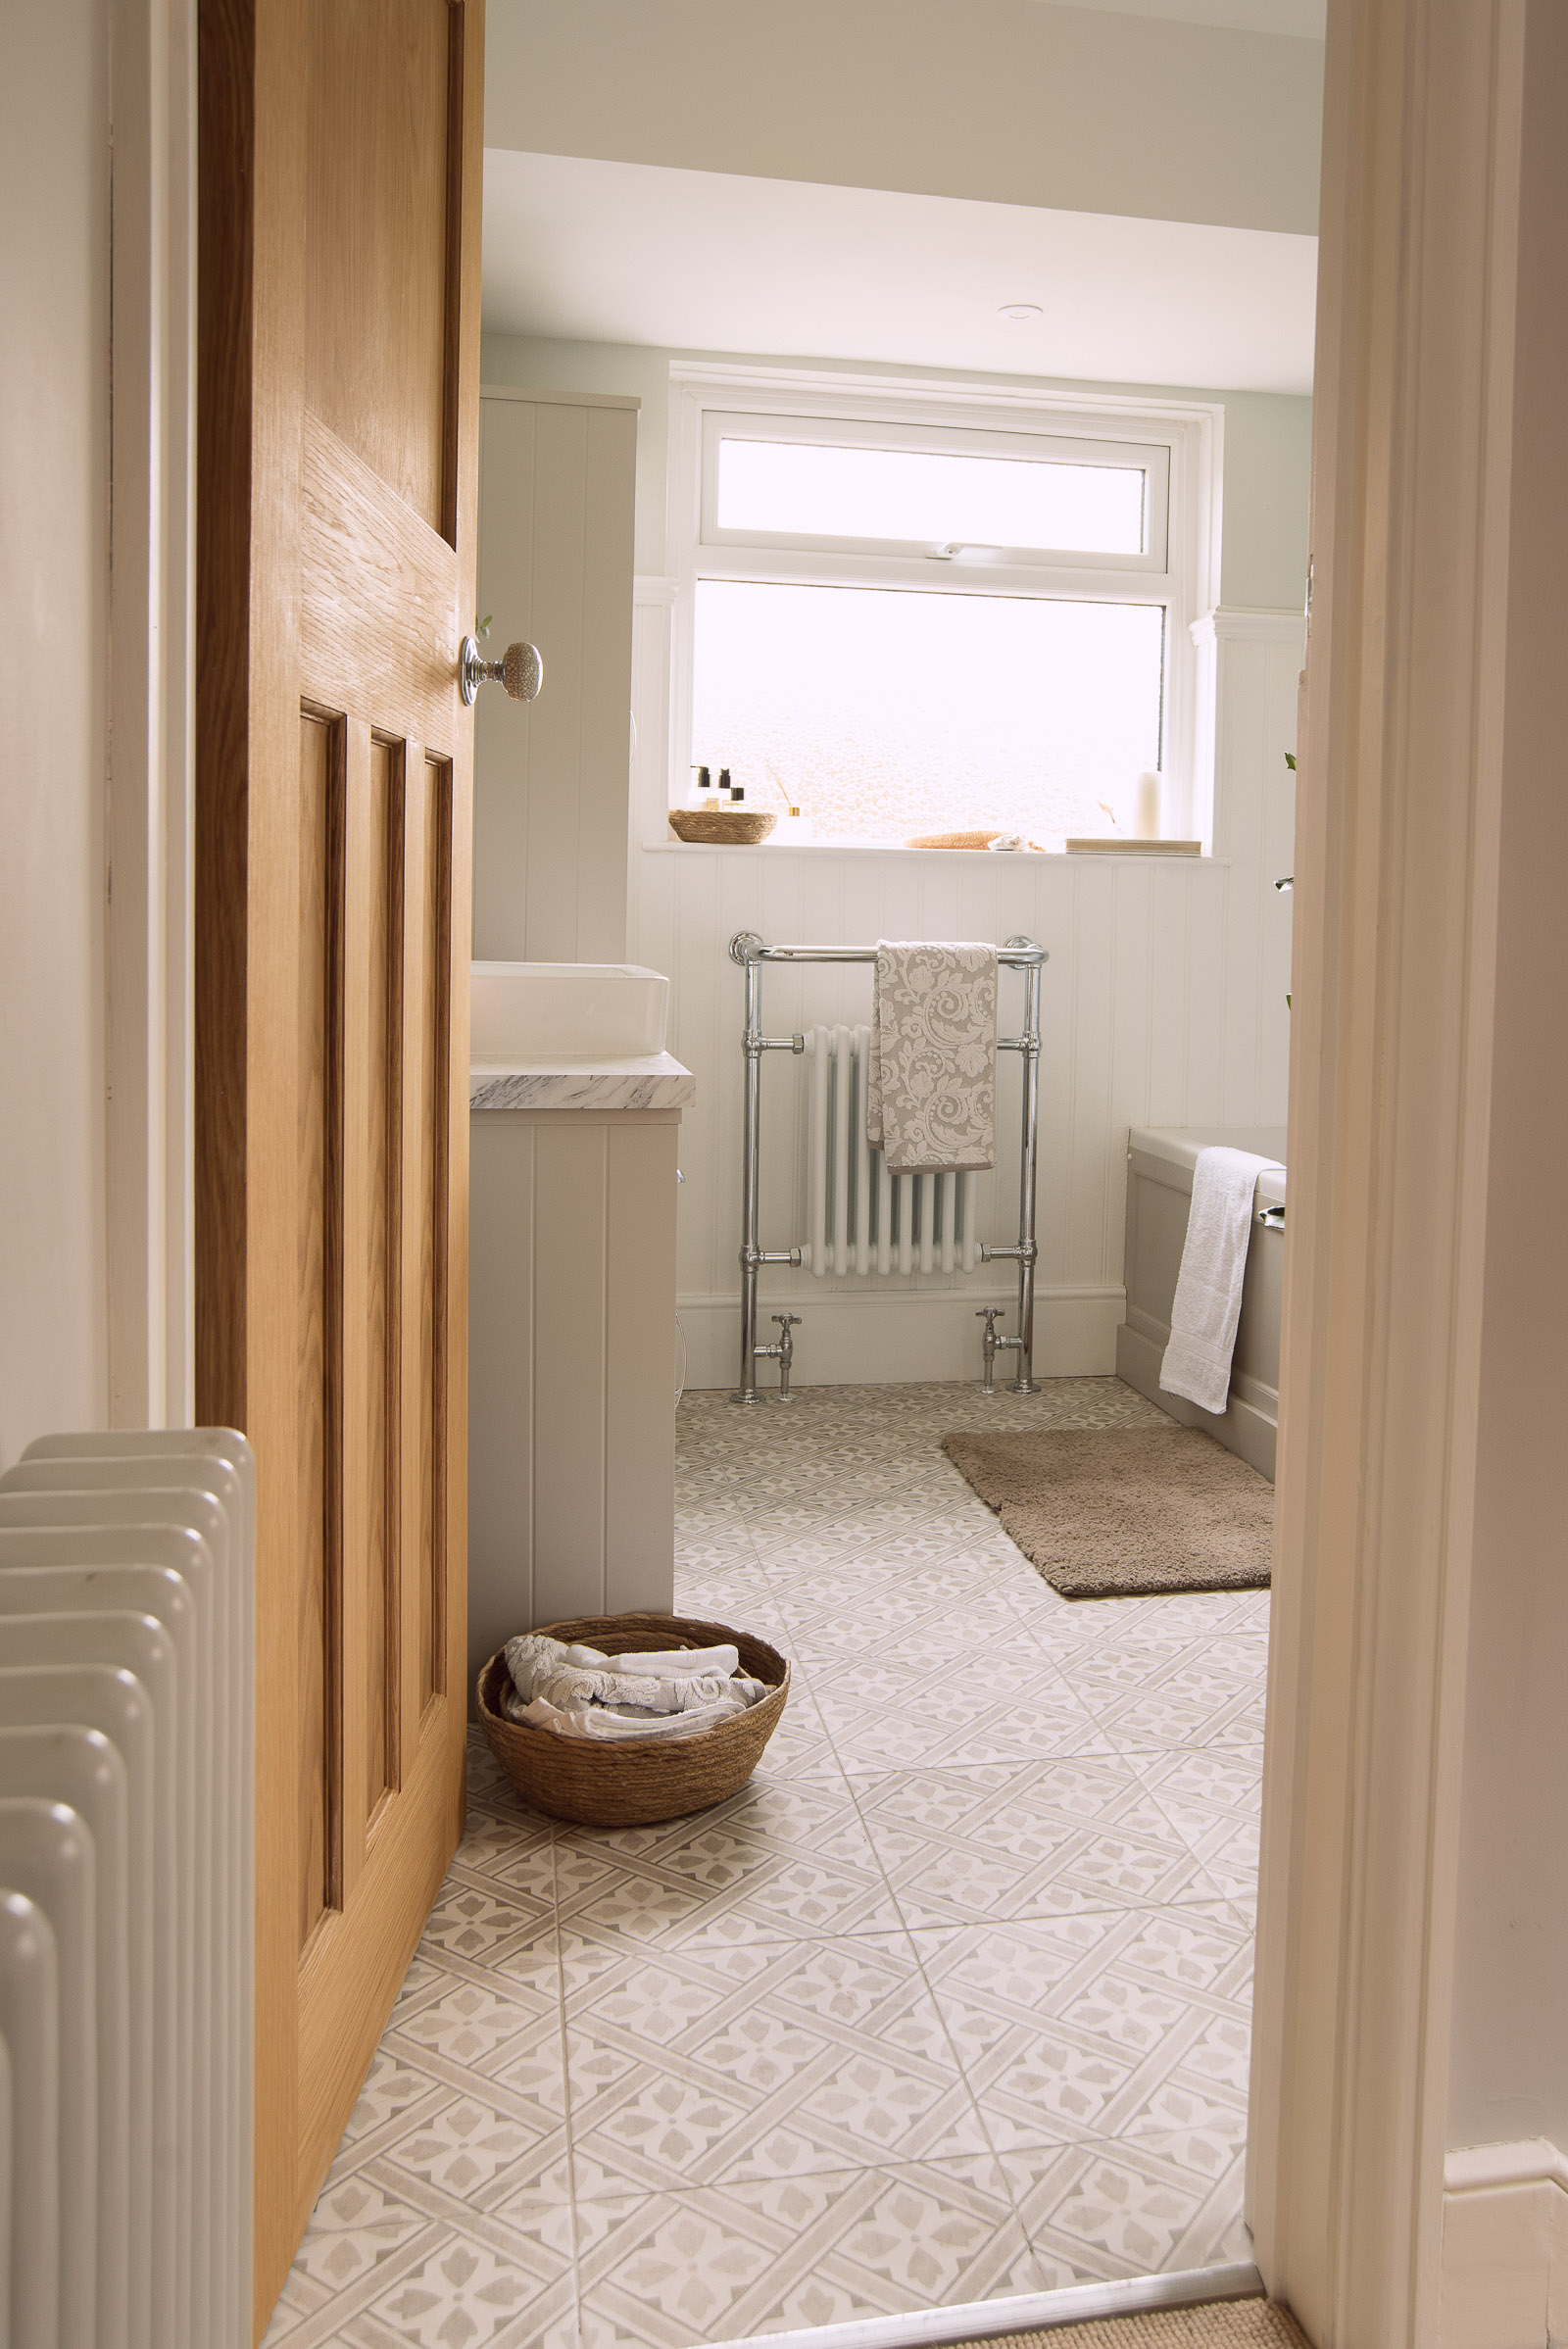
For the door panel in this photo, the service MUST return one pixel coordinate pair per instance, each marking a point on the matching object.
(378, 237)
(377, 590)
(338, 426)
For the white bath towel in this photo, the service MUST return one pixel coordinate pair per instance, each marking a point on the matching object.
(1209, 1287)
(609, 1726)
(581, 1691)
(931, 1084)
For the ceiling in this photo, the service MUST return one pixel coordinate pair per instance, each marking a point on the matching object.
(1303, 17)
(597, 251)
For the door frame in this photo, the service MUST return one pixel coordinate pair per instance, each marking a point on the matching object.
(1394, 919)
(1398, 826)
(149, 826)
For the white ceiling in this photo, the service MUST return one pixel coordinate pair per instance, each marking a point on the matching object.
(1303, 17)
(703, 261)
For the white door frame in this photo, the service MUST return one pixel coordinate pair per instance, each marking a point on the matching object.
(1395, 921)
(149, 1039)
(1395, 913)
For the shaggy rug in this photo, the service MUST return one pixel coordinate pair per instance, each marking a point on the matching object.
(1124, 1512)
(1232, 2325)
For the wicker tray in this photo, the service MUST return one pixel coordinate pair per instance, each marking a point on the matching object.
(741, 828)
(633, 1786)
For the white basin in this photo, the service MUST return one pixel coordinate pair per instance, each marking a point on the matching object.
(527, 1012)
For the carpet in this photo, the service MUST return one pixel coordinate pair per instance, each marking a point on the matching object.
(1231, 2325)
(1125, 1512)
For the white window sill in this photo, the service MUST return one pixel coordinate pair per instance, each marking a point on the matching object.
(1131, 854)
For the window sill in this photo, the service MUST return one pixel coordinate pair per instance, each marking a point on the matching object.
(1131, 854)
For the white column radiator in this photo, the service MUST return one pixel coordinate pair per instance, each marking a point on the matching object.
(858, 1217)
(126, 1629)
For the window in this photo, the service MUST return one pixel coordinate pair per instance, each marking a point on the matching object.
(944, 616)
(889, 714)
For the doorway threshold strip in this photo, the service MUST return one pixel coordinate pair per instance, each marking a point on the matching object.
(1024, 2311)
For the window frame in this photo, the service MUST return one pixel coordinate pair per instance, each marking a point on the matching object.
(952, 439)
(1178, 443)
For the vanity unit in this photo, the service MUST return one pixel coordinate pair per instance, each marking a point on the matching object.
(574, 1120)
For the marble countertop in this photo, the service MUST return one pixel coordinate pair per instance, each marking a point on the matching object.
(655, 1082)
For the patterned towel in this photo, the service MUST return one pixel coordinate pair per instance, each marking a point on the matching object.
(931, 1087)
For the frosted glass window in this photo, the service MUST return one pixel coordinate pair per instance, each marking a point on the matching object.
(799, 489)
(883, 714)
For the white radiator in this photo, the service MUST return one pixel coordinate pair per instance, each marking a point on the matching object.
(858, 1217)
(127, 1677)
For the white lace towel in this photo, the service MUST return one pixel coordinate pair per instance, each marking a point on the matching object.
(931, 1086)
(1209, 1287)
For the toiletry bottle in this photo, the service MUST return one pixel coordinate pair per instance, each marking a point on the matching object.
(700, 792)
(727, 791)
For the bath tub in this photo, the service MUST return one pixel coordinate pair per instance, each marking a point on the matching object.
(1161, 1161)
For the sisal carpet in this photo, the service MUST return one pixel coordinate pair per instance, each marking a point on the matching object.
(1125, 1512)
(1232, 2325)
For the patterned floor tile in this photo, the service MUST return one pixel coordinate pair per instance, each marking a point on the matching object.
(765, 1872)
(1000, 1841)
(1122, 2208)
(464, 2295)
(1109, 2024)
(951, 2002)
(827, 2055)
(774, 2255)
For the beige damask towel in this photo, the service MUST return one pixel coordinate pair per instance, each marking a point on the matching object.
(931, 1087)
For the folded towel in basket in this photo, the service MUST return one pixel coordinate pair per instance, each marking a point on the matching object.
(931, 1084)
(610, 1726)
(579, 1692)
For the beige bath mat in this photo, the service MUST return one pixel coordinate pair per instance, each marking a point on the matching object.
(1231, 2325)
(1124, 1512)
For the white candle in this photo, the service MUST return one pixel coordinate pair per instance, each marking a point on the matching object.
(1146, 806)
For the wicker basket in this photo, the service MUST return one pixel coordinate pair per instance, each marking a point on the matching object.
(739, 828)
(635, 1784)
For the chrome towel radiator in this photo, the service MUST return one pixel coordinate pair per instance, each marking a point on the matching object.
(749, 952)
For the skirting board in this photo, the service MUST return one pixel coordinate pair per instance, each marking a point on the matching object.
(1504, 2248)
(1243, 1428)
(853, 1338)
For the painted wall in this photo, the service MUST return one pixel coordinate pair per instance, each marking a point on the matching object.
(1509, 2076)
(1164, 1001)
(54, 440)
(555, 487)
(1267, 450)
(1091, 110)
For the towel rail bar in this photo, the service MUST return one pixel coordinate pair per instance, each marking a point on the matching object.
(749, 952)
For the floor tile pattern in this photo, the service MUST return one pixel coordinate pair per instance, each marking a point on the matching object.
(951, 2002)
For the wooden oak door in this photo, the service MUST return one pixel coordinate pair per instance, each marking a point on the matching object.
(339, 232)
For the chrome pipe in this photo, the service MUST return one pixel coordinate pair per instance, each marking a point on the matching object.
(746, 948)
(749, 952)
(1024, 1383)
(752, 1045)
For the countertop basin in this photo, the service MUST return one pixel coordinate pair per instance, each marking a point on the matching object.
(527, 1012)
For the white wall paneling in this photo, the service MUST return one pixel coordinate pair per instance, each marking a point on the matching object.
(571, 1473)
(1163, 1004)
(556, 497)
